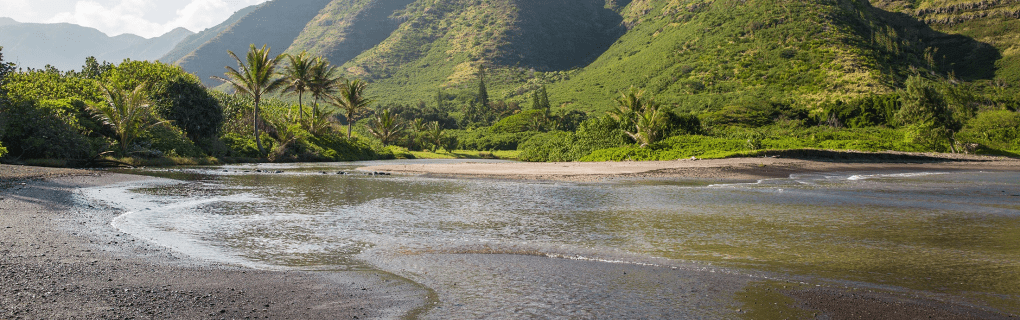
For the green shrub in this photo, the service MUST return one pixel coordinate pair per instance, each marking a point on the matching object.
(529, 120)
(593, 134)
(992, 126)
(48, 129)
(485, 139)
(179, 96)
(170, 141)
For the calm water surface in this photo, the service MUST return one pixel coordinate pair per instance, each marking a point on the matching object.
(952, 234)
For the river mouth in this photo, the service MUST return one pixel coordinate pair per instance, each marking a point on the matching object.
(944, 235)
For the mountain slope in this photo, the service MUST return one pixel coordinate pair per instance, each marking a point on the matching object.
(709, 54)
(192, 42)
(700, 54)
(440, 43)
(996, 23)
(695, 54)
(65, 46)
(346, 28)
(151, 49)
(275, 23)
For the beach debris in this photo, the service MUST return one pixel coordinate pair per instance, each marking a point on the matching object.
(341, 172)
(279, 171)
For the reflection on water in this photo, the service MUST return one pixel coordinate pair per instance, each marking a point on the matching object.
(950, 233)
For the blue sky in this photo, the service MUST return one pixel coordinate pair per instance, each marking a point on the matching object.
(147, 18)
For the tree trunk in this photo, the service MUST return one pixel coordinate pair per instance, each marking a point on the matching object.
(255, 121)
(350, 124)
(300, 107)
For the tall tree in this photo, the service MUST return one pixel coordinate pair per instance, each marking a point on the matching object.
(254, 79)
(483, 93)
(351, 98)
(544, 99)
(298, 73)
(927, 114)
(324, 81)
(127, 112)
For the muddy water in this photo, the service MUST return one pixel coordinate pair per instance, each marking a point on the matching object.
(643, 248)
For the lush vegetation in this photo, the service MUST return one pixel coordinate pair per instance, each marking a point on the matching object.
(140, 112)
(638, 80)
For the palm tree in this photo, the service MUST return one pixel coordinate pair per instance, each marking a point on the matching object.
(323, 80)
(127, 112)
(640, 117)
(351, 98)
(386, 127)
(434, 133)
(254, 79)
(299, 77)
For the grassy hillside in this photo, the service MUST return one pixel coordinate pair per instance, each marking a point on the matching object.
(275, 23)
(992, 22)
(192, 42)
(441, 43)
(346, 28)
(697, 54)
(708, 54)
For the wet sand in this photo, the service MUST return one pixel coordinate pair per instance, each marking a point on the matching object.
(60, 258)
(777, 166)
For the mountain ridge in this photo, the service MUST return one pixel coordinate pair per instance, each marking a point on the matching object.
(65, 46)
(694, 54)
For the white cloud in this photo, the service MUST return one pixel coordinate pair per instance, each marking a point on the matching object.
(124, 17)
(137, 16)
(20, 10)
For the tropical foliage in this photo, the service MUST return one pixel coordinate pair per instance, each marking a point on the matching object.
(129, 113)
(255, 78)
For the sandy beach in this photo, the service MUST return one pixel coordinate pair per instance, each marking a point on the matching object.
(61, 258)
(778, 166)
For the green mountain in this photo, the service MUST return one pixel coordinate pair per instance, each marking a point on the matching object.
(275, 23)
(192, 42)
(696, 54)
(65, 46)
(992, 22)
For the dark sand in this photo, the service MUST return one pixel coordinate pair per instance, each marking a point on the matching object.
(62, 259)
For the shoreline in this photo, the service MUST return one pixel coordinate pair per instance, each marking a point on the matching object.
(61, 258)
(46, 234)
(736, 169)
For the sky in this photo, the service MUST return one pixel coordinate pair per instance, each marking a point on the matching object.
(146, 18)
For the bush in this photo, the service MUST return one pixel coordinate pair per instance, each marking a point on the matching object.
(992, 126)
(868, 111)
(592, 134)
(530, 120)
(179, 96)
(48, 129)
(170, 141)
(484, 139)
(997, 130)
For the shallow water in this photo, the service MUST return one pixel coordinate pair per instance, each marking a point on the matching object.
(938, 233)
